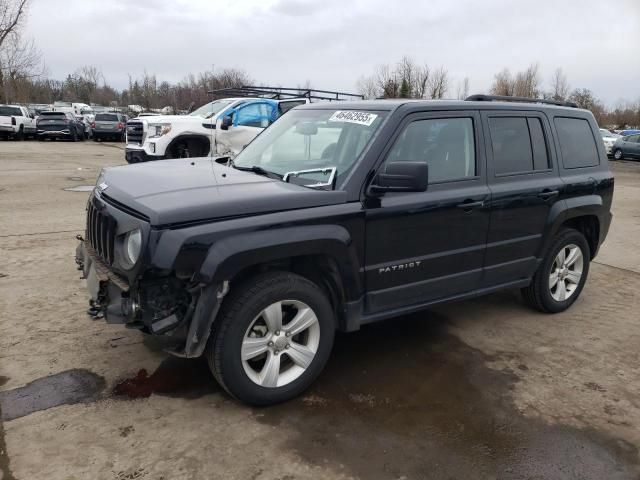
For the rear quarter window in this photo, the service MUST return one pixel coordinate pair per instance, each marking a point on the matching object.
(578, 146)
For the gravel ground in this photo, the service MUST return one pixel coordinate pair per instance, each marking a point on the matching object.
(478, 389)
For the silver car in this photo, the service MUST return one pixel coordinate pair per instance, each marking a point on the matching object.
(609, 139)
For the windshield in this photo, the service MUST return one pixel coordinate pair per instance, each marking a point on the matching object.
(9, 111)
(312, 139)
(211, 108)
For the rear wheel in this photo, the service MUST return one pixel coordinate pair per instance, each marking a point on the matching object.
(20, 135)
(272, 339)
(562, 274)
(617, 155)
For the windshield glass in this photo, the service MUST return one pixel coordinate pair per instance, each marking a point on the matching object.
(211, 108)
(312, 139)
(9, 111)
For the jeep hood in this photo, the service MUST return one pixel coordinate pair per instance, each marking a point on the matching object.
(171, 192)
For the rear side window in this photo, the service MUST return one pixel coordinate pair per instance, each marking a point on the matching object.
(519, 145)
(107, 117)
(577, 144)
(10, 111)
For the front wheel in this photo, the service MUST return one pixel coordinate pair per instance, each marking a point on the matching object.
(617, 155)
(562, 274)
(272, 339)
(20, 135)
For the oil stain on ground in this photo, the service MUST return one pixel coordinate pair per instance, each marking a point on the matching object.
(174, 377)
(64, 388)
(404, 398)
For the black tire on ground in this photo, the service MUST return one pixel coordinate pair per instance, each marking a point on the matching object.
(40, 138)
(245, 302)
(538, 293)
(74, 136)
(20, 134)
(618, 155)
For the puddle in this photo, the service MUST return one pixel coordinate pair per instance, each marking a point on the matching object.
(406, 399)
(174, 377)
(76, 179)
(64, 388)
(3, 380)
(80, 188)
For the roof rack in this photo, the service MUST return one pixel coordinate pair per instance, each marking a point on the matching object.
(505, 98)
(282, 93)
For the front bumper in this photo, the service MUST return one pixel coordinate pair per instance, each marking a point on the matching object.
(109, 293)
(136, 155)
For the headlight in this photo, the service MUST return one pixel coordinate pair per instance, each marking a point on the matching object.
(159, 129)
(133, 246)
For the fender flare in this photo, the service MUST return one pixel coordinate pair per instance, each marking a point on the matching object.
(230, 255)
(566, 210)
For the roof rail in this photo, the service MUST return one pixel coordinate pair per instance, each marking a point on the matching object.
(282, 93)
(505, 98)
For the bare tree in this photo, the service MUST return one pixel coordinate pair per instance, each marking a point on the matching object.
(20, 60)
(11, 14)
(367, 87)
(439, 83)
(463, 89)
(503, 83)
(90, 77)
(527, 83)
(559, 85)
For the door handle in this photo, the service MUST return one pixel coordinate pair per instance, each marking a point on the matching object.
(469, 205)
(547, 194)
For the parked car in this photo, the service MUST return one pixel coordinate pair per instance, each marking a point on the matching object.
(54, 125)
(608, 139)
(203, 131)
(339, 215)
(86, 122)
(627, 147)
(109, 126)
(628, 132)
(16, 121)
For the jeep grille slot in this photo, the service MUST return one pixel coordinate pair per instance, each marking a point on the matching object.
(135, 133)
(101, 232)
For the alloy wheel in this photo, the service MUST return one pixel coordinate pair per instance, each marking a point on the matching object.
(566, 272)
(280, 343)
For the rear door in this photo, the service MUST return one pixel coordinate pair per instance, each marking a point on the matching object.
(525, 185)
(631, 146)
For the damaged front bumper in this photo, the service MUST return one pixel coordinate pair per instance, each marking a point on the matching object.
(160, 307)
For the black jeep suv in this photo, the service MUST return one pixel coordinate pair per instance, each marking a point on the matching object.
(343, 214)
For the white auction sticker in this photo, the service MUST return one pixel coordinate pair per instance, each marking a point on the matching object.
(350, 116)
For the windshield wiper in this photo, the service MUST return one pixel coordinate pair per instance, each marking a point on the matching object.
(256, 169)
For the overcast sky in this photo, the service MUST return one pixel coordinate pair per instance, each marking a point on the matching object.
(333, 42)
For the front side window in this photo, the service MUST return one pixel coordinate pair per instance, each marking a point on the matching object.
(255, 115)
(312, 139)
(447, 145)
(577, 144)
(518, 144)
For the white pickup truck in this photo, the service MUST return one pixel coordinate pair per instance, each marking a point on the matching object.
(221, 127)
(16, 121)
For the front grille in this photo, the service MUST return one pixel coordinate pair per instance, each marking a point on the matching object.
(135, 133)
(101, 233)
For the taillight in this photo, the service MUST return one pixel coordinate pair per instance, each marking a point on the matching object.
(93, 124)
(13, 120)
(120, 126)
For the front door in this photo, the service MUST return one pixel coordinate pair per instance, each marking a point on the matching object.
(248, 120)
(426, 246)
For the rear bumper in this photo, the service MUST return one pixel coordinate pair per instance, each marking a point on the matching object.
(54, 133)
(8, 129)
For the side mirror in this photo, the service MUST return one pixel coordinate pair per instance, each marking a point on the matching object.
(226, 123)
(402, 177)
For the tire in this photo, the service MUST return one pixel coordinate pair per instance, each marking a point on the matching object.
(20, 135)
(74, 136)
(540, 294)
(248, 380)
(618, 155)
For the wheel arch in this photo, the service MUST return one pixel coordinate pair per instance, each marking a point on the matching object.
(200, 139)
